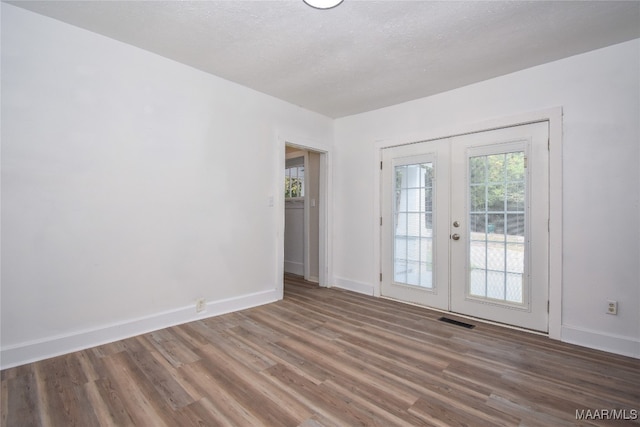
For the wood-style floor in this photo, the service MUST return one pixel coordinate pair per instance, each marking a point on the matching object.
(323, 357)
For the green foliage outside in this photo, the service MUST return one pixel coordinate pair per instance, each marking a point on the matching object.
(293, 187)
(497, 180)
(497, 185)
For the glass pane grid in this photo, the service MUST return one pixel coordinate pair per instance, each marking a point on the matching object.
(497, 226)
(413, 225)
(294, 182)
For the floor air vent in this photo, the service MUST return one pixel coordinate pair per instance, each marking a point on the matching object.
(457, 323)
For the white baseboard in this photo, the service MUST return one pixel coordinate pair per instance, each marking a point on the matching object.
(34, 351)
(624, 346)
(294, 267)
(351, 285)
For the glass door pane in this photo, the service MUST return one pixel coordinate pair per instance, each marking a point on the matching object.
(415, 208)
(413, 224)
(497, 189)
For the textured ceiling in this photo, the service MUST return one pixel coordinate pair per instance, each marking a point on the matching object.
(362, 55)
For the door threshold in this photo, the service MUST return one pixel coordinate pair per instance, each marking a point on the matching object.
(475, 319)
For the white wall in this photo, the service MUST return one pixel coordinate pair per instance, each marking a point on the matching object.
(600, 96)
(120, 199)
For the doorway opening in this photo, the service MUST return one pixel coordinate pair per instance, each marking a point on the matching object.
(305, 218)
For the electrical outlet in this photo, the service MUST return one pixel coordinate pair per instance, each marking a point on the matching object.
(612, 307)
(201, 305)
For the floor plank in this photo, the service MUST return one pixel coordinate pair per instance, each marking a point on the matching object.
(323, 358)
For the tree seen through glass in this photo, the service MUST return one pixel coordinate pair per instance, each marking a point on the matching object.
(294, 182)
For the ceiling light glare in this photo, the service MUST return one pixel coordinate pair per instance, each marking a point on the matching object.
(323, 4)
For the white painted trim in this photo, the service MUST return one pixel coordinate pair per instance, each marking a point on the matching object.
(278, 199)
(351, 285)
(294, 267)
(325, 215)
(555, 222)
(625, 346)
(33, 351)
(554, 116)
(306, 234)
(378, 209)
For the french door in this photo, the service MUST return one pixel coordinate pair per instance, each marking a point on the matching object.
(465, 224)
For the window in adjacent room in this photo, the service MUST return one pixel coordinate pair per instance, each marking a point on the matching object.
(294, 178)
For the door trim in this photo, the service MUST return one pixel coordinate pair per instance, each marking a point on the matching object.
(554, 117)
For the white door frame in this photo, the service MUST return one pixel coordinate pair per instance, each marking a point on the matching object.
(554, 117)
(325, 271)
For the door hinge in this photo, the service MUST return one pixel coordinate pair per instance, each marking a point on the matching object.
(380, 165)
(380, 220)
(547, 306)
(526, 161)
(381, 277)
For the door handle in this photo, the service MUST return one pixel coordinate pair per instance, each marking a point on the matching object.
(455, 236)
